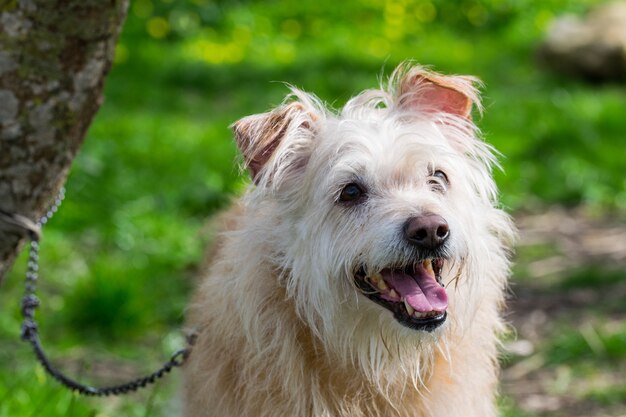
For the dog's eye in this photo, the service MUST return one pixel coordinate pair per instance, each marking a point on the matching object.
(439, 181)
(351, 193)
(442, 176)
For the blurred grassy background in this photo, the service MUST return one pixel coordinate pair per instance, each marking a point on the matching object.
(119, 258)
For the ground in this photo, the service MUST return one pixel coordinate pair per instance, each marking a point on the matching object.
(567, 310)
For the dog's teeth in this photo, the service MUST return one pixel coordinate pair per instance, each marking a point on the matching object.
(428, 266)
(382, 285)
(393, 293)
(409, 309)
(426, 314)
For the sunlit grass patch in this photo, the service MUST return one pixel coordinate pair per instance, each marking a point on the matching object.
(596, 341)
(609, 395)
(508, 408)
(594, 276)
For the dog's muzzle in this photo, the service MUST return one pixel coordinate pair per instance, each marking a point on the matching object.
(414, 293)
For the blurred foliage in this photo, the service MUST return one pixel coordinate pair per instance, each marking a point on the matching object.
(118, 260)
(562, 139)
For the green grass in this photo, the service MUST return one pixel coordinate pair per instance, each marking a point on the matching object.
(593, 276)
(509, 409)
(119, 260)
(585, 343)
(609, 395)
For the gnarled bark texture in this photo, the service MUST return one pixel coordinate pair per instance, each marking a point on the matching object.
(54, 55)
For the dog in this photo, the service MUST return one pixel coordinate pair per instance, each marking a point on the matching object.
(364, 270)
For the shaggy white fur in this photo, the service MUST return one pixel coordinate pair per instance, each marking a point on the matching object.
(283, 328)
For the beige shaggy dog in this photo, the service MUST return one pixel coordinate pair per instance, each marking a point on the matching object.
(363, 271)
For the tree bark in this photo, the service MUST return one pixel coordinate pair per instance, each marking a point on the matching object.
(54, 56)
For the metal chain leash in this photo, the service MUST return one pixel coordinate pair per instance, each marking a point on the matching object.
(30, 333)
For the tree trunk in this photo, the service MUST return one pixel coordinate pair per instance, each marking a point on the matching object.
(54, 55)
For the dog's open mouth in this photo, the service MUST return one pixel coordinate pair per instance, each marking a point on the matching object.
(414, 294)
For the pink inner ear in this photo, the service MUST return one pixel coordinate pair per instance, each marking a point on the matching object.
(440, 93)
(447, 100)
(258, 136)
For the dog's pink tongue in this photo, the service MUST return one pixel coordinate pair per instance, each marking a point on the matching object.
(421, 290)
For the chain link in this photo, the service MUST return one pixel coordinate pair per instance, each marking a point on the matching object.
(30, 333)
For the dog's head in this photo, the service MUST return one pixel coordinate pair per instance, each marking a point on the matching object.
(380, 214)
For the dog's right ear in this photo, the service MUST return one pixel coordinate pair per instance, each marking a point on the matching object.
(259, 136)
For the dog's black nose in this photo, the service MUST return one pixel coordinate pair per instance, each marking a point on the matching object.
(428, 231)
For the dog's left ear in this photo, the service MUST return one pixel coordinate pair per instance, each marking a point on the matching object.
(259, 136)
(429, 91)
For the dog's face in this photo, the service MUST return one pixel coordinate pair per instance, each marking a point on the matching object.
(386, 187)
(377, 208)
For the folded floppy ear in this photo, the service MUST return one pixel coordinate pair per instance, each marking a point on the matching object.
(259, 136)
(434, 92)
